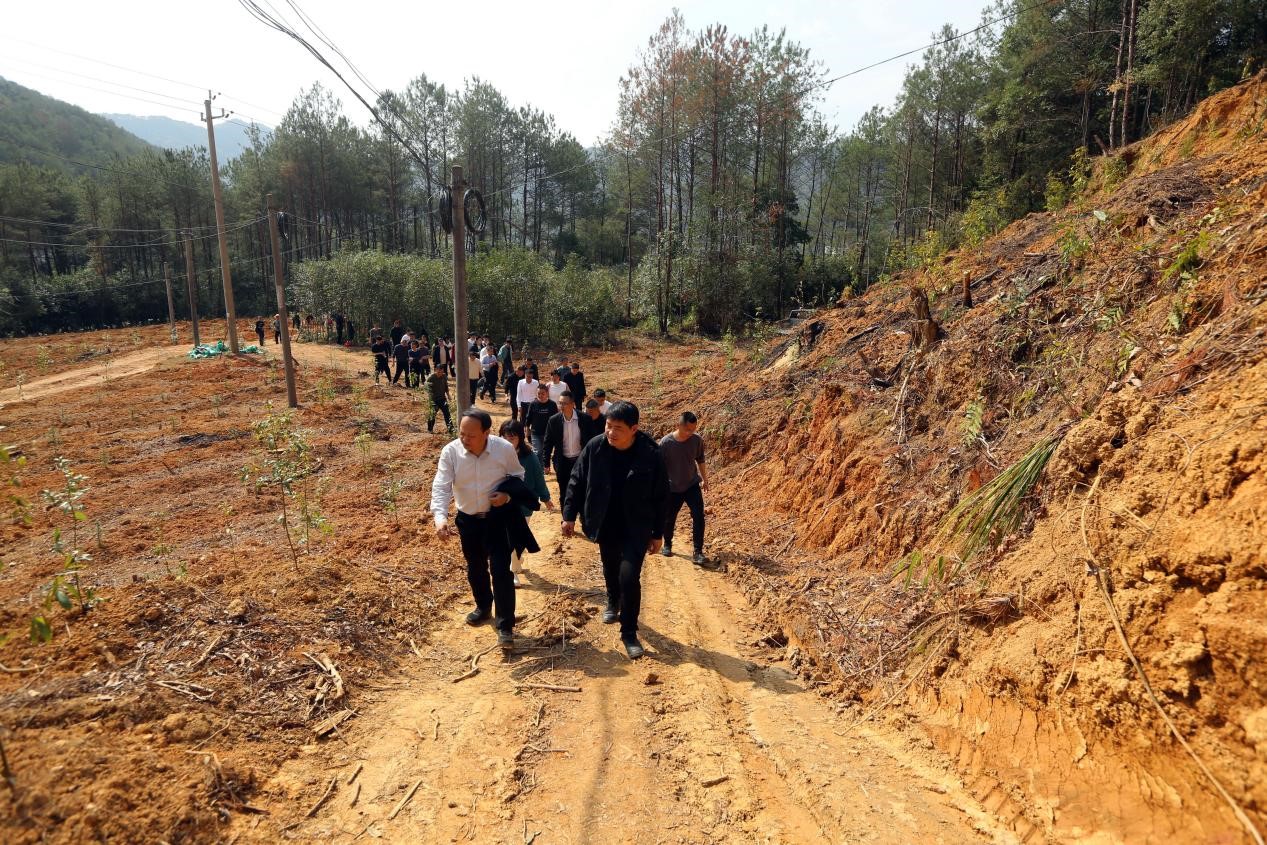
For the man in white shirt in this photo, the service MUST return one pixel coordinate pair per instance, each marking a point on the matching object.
(557, 387)
(563, 442)
(526, 394)
(470, 470)
(603, 405)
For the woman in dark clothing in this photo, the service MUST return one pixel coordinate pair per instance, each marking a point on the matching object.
(534, 478)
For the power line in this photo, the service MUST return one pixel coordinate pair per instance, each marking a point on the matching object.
(106, 90)
(157, 242)
(278, 22)
(182, 100)
(186, 83)
(101, 167)
(79, 227)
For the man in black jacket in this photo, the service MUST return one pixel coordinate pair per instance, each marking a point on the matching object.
(576, 384)
(535, 419)
(593, 422)
(564, 438)
(620, 489)
(512, 390)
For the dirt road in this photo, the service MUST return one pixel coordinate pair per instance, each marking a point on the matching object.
(703, 740)
(134, 363)
(92, 375)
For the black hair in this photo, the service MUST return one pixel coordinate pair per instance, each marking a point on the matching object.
(567, 394)
(625, 412)
(688, 417)
(516, 428)
(541, 387)
(591, 403)
(600, 392)
(485, 421)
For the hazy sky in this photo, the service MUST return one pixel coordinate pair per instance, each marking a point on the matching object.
(565, 57)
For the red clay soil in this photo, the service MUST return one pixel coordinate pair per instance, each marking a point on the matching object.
(1131, 327)
(209, 636)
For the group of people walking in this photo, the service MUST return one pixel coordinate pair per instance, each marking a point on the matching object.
(625, 488)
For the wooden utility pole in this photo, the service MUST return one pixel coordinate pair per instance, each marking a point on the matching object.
(460, 353)
(171, 303)
(190, 286)
(230, 313)
(283, 317)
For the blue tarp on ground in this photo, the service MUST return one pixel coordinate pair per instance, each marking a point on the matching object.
(210, 351)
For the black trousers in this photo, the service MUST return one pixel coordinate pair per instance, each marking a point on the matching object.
(693, 498)
(440, 408)
(474, 386)
(562, 472)
(418, 370)
(260, 335)
(380, 366)
(488, 384)
(622, 552)
(401, 367)
(487, 552)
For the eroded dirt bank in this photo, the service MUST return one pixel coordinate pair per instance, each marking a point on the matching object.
(1127, 330)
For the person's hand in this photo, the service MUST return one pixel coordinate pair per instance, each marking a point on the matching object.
(545, 470)
(444, 532)
(549, 505)
(654, 545)
(568, 527)
(703, 485)
(499, 499)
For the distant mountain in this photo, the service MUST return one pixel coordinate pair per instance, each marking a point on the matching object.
(42, 130)
(231, 138)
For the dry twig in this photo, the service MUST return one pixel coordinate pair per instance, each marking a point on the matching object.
(410, 794)
(329, 789)
(551, 687)
(475, 665)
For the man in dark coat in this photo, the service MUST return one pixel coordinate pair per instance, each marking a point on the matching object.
(620, 489)
(575, 380)
(593, 422)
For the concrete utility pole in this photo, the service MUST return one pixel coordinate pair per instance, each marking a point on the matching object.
(230, 313)
(283, 318)
(460, 352)
(171, 303)
(190, 285)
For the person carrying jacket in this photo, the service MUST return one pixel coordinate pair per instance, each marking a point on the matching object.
(470, 473)
(620, 490)
(513, 433)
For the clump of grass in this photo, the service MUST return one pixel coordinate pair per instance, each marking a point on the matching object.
(995, 509)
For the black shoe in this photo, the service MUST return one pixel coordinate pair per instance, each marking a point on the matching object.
(478, 616)
(666, 550)
(633, 648)
(506, 639)
(610, 614)
(699, 559)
